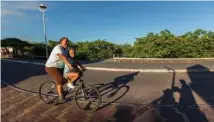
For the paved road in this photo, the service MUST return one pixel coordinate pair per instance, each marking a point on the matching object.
(129, 65)
(134, 88)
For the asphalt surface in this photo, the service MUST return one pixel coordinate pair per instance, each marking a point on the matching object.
(129, 65)
(132, 87)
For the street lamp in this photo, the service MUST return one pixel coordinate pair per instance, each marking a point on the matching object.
(43, 8)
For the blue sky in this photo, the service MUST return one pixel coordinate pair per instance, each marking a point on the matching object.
(118, 22)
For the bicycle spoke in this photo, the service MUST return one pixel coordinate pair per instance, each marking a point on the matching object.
(87, 105)
(92, 98)
(48, 93)
(46, 89)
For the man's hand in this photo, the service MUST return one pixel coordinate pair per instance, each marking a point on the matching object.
(70, 67)
(83, 68)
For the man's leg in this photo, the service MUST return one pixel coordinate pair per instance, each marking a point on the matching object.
(56, 74)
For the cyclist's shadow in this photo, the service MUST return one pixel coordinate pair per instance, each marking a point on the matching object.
(113, 91)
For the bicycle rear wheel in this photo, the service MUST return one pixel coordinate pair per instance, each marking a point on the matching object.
(48, 94)
(87, 98)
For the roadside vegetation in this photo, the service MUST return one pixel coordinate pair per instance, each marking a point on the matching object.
(197, 44)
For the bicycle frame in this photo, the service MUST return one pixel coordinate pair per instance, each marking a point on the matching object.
(82, 85)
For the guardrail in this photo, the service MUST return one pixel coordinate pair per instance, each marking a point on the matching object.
(163, 60)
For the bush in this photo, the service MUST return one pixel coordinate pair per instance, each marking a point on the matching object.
(195, 44)
(39, 50)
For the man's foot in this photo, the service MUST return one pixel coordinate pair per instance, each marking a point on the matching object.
(62, 99)
(70, 85)
(64, 92)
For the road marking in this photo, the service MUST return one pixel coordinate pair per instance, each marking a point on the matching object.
(125, 70)
(18, 89)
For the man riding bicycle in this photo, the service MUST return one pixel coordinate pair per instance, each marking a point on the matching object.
(55, 65)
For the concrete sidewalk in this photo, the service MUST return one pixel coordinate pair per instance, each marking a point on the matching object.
(145, 67)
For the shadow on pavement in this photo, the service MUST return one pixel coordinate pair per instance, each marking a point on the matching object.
(202, 83)
(13, 73)
(113, 91)
(122, 89)
(184, 110)
(188, 104)
(118, 81)
(167, 109)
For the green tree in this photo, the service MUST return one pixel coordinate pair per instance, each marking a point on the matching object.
(198, 43)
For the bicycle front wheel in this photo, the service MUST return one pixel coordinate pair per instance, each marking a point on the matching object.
(87, 97)
(48, 94)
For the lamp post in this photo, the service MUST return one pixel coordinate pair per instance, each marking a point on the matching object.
(43, 8)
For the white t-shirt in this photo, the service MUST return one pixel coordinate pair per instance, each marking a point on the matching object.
(54, 60)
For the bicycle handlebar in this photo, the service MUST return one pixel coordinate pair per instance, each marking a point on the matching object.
(79, 70)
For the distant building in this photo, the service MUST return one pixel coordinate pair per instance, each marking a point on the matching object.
(6, 51)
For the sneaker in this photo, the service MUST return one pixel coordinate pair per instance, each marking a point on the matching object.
(62, 99)
(70, 85)
(64, 92)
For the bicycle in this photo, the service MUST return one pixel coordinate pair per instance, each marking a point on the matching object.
(81, 89)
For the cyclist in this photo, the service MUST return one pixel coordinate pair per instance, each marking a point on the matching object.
(55, 64)
(72, 74)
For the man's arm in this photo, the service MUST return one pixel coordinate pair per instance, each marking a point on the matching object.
(61, 56)
(59, 51)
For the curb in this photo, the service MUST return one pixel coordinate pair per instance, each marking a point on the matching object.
(18, 89)
(162, 60)
(151, 70)
(126, 70)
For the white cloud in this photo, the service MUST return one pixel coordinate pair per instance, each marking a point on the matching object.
(18, 8)
(21, 12)
(30, 5)
(6, 12)
(15, 13)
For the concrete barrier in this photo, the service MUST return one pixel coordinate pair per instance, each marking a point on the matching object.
(163, 60)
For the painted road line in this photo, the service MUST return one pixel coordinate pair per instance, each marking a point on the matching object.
(125, 70)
